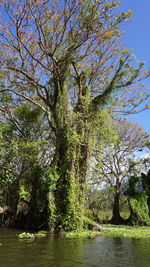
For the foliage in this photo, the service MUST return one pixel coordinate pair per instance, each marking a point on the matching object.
(114, 231)
(25, 235)
(138, 201)
(66, 60)
(24, 160)
(140, 209)
(88, 223)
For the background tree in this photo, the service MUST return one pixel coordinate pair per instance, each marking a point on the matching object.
(119, 161)
(99, 203)
(146, 186)
(138, 201)
(24, 167)
(138, 190)
(66, 59)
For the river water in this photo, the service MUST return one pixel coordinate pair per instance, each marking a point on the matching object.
(62, 252)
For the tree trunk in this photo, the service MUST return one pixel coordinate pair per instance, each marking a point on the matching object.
(70, 164)
(34, 217)
(12, 199)
(71, 161)
(69, 172)
(116, 218)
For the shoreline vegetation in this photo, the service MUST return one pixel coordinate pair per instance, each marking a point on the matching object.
(114, 231)
(93, 229)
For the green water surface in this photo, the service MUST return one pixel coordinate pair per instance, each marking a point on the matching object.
(62, 252)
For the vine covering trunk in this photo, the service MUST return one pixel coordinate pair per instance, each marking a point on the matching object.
(70, 164)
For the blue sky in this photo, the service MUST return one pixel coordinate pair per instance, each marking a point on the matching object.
(137, 37)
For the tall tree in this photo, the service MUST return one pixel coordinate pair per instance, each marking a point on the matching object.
(66, 58)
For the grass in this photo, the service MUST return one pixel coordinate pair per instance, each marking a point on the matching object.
(114, 231)
(106, 215)
(127, 231)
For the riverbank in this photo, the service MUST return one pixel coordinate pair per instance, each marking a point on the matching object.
(114, 231)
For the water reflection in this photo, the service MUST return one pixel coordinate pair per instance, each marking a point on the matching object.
(61, 252)
(141, 252)
(109, 252)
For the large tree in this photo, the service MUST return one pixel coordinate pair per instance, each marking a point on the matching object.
(66, 58)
